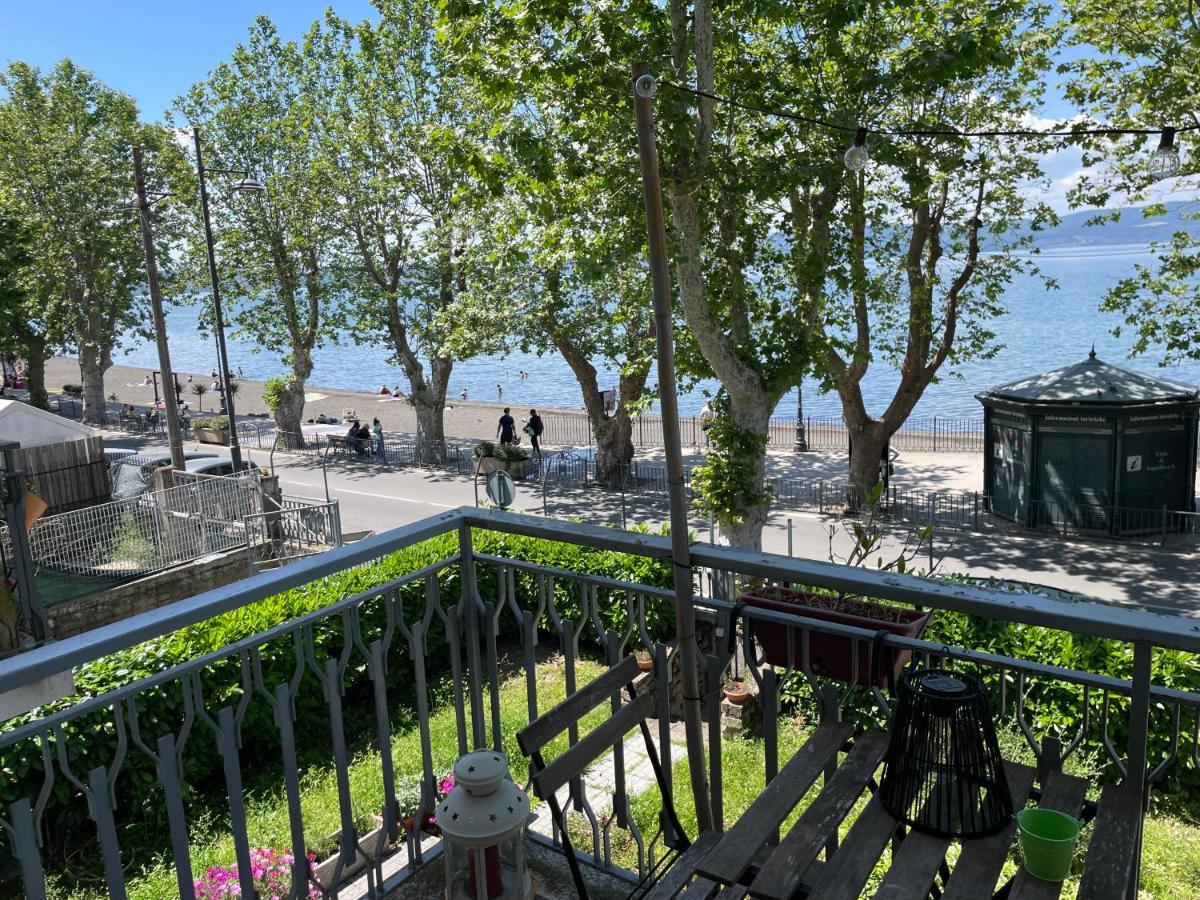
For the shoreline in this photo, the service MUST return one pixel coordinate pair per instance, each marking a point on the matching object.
(464, 419)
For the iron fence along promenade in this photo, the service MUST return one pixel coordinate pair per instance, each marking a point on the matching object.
(372, 655)
(933, 434)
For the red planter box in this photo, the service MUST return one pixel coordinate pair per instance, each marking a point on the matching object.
(831, 653)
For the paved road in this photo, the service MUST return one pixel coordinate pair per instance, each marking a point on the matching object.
(374, 499)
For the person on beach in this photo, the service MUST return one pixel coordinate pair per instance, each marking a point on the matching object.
(534, 428)
(506, 428)
(397, 393)
(377, 433)
(462, 395)
(383, 391)
(500, 393)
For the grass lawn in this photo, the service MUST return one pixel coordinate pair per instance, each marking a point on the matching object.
(267, 812)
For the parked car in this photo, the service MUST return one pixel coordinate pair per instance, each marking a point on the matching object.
(134, 475)
(217, 466)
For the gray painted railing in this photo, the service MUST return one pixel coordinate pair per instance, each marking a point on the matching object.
(342, 654)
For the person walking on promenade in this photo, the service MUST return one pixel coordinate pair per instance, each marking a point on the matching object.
(377, 434)
(507, 427)
(707, 415)
(534, 428)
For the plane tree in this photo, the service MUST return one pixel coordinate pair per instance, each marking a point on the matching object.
(274, 248)
(66, 172)
(408, 160)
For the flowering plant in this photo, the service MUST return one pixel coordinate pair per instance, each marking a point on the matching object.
(272, 871)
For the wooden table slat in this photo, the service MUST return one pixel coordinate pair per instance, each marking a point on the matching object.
(845, 874)
(732, 856)
(1110, 855)
(785, 869)
(981, 862)
(1063, 793)
(700, 889)
(677, 876)
(914, 866)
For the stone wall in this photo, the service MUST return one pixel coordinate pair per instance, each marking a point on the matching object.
(116, 603)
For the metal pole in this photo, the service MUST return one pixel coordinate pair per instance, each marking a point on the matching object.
(801, 444)
(235, 451)
(174, 435)
(685, 613)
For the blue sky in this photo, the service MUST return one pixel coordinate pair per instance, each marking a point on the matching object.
(153, 50)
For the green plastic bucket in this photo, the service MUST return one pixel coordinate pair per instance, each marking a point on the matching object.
(1048, 841)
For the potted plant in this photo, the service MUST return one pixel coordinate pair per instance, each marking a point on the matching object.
(736, 691)
(212, 431)
(509, 457)
(830, 655)
(645, 661)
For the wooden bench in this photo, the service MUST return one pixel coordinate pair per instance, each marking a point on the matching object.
(745, 861)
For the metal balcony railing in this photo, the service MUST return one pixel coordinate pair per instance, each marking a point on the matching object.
(152, 752)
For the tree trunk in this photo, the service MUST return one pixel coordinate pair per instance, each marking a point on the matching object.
(429, 403)
(35, 371)
(91, 370)
(614, 446)
(867, 443)
(754, 415)
(289, 413)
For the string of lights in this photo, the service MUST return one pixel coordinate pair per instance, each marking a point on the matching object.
(1162, 163)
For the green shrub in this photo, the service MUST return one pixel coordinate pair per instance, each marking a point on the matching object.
(216, 423)
(75, 390)
(275, 388)
(511, 453)
(92, 739)
(485, 448)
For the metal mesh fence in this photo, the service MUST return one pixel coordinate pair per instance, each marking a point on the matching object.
(127, 538)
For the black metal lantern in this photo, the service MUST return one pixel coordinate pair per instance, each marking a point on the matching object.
(943, 772)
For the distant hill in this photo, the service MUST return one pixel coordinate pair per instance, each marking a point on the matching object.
(1132, 228)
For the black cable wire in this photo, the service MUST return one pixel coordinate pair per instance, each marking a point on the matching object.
(917, 132)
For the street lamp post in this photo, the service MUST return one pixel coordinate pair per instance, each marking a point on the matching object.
(246, 186)
(801, 444)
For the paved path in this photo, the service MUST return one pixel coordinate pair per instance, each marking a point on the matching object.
(374, 499)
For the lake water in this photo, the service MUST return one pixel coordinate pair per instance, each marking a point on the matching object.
(1042, 330)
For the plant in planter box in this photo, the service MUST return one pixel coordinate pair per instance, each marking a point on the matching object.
(511, 453)
(831, 655)
(213, 430)
(484, 448)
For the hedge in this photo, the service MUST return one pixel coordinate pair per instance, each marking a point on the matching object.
(141, 815)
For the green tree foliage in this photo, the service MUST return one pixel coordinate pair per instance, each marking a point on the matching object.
(22, 326)
(405, 150)
(274, 250)
(65, 167)
(568, 256)
(1141, 68)
(784, 262)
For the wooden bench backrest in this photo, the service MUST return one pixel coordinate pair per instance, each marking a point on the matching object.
(555, 721)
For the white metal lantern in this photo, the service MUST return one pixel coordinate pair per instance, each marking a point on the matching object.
(482, 821)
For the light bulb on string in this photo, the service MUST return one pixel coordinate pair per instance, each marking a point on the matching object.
(856, 157)
(1164, 162)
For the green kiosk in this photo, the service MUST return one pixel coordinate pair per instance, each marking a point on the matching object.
(1092, 447)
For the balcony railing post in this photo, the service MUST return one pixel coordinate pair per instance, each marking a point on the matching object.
(470, 606)
(1139, 724)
